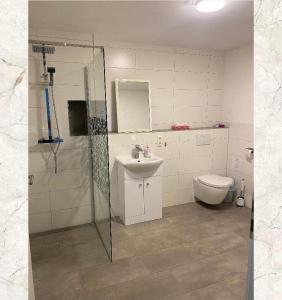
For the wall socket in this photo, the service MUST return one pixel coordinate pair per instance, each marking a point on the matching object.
(159, 140)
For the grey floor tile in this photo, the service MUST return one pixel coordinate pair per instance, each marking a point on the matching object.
(147, 229)
(150, 287)
(60, 284)
(113, 273)
(190, 219)
(214, 245)
(124, 248)
(211, 292)
(190, 233)
(194, 252)
(170, 258)
(69, 259)
(184, 209)
(70, 294)
(199, 274)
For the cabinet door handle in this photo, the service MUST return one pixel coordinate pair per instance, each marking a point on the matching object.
(140, 185)
(147, 184)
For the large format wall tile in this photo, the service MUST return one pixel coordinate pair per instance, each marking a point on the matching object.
(190, 62)
(180, 79)
(182, 91)
(69, 188)
(71, 217)
(40, 222)
(120, 58)
(39, 203)
(154, 60)
(184, 159)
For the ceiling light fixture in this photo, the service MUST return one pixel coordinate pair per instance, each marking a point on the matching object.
(207, 6)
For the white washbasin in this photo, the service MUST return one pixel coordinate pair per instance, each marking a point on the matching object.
(139, 165)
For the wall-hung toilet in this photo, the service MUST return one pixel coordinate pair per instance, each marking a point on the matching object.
(211, 189)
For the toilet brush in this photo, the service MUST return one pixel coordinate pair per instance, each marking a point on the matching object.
(241, 198)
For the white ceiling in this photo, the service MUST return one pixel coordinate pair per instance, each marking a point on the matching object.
(170, 23)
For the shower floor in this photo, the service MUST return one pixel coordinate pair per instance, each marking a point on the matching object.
(195, 252)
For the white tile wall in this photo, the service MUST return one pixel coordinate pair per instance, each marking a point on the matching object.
(154, 60)
(180, 79)
(238, 166)
(39, 203)
(69, 198)
(162, 97)
(63, 199)
(71, 217)
(191, 62)
(183, 160)
(187, 86)
(40, 222)
(120, 58)
(238, 112)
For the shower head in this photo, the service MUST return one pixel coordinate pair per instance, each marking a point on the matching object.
(43, 49)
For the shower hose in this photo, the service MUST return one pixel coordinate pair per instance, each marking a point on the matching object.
(55, 149)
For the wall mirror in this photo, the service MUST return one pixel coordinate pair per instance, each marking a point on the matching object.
(133, 99)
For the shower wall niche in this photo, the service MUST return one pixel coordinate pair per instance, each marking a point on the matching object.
(77, 111)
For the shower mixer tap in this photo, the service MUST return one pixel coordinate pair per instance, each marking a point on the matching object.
(51, 71)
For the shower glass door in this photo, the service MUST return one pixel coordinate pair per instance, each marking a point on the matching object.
(98, 138)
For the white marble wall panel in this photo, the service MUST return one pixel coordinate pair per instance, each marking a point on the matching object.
(268, 155)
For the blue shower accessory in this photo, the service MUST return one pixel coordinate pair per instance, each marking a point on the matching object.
(48, 80)
(48, 113)
(50, 140)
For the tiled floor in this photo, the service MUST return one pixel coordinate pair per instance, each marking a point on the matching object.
(195, 252)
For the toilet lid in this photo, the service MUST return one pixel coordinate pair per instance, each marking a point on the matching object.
(216, 180)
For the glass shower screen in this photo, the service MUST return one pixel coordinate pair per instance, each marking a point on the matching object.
(98, 137)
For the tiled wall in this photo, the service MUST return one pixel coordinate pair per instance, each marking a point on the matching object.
(62, 199)
(187, 85)
(183, 160)
(238, 112)
(238, 166)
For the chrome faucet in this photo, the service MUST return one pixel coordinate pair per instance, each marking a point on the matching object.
(136, 150)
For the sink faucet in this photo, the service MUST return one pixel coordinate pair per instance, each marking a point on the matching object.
(136, 150)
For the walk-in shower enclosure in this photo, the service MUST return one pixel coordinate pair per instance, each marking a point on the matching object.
(79, 193)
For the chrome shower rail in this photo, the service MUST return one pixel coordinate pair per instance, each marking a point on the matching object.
(63, 44)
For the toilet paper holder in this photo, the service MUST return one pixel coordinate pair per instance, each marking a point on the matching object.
(250, 153)
(250, 149)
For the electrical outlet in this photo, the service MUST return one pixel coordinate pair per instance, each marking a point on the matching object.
(160, 141)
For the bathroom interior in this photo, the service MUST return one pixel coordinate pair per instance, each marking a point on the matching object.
(140, 149)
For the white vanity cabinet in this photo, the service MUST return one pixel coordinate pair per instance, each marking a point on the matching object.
(140, 197)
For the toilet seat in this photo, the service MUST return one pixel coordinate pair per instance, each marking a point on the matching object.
(215, 181)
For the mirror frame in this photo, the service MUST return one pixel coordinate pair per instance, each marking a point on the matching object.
(117, 81)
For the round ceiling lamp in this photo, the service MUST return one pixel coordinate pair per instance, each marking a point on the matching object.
(207, 6)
